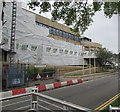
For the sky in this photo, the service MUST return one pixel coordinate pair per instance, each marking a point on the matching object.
(103, 30)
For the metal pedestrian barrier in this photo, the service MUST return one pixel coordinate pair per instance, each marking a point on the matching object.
(38, 102)
(114, 109)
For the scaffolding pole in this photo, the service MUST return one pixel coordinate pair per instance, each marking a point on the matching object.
(13, 28)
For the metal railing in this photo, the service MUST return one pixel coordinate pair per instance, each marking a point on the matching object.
(39, 102)
(114, 109)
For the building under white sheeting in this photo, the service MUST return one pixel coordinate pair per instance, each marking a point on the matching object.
(34, 45)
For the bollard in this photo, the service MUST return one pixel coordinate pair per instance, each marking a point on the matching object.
(34, 103)
(110, 108)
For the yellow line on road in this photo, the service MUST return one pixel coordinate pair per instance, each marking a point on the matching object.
(107, 102)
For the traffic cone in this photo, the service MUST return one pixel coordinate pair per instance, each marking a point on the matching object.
(47, 77)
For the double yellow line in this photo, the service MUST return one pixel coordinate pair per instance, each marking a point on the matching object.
(101, 107)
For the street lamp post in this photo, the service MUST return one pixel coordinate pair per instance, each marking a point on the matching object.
(83, 60)
(89, 61)
(83, 67)
(94, 65)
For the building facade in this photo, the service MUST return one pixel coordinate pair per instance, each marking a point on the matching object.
(38, 40)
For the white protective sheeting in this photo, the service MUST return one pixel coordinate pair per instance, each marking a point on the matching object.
(29, 34)
(0, 22)
(6, 31)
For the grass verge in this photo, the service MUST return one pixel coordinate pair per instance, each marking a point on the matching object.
(115, 103)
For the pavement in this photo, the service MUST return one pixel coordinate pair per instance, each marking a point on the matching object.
(62, 79)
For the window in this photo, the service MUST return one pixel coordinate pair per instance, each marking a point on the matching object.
(54, 50)
(60, 33)
(64, 34)
(61, 51)
(79, 39)
(51, 31)
(69, 36)
(66, 51)
(54, 31)
(40, 24)
(82, 54)
(33, 48)
(71, 52)
(37, 23)
(48, 49)
(72, 37)
(76, 38)
(89, 53)
(75, 53)
(24, 47)
(17, 46)
(57, 32)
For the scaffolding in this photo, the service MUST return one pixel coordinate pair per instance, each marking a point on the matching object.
(13, 27)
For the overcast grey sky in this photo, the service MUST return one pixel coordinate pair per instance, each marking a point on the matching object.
(105, 31)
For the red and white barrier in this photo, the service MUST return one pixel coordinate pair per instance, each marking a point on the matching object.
(64, 83)
(41, 87)
(75, 81)
(29, 89)
(18, 91)
(49, 86)
(57, 84)
(5, 94)
(69, 82)
(80, 80)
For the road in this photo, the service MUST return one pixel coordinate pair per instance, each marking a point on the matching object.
(89, 94)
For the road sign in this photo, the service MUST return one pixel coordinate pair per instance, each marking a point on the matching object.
(38, 76)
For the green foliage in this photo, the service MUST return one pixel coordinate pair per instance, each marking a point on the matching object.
(49, 70)
(76, 14)
(32, 71)
(45, 7)
(97, 6)
(104, 57)
(119, 56)
(111, 8)
(42, 71)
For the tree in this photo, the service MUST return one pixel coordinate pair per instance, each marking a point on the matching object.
(104, 57)
(119, 56)
(77, 15)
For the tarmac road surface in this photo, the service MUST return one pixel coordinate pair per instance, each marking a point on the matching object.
(88, 94)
